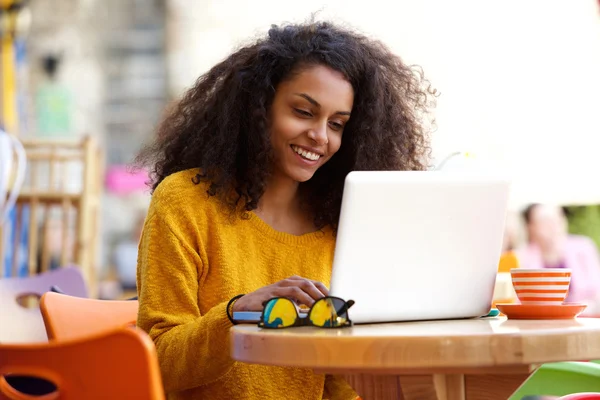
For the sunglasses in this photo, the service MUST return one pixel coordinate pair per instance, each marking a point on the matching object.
(327, 312)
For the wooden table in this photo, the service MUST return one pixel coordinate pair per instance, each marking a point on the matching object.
(487, 358)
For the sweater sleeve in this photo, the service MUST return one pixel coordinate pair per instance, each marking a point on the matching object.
(193, 349)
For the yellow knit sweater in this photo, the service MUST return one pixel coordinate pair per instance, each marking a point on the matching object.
(193, 258)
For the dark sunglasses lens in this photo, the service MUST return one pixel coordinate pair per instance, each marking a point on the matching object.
(279, 313)
(329, 312)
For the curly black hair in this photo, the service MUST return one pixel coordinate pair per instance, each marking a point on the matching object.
(220, 126)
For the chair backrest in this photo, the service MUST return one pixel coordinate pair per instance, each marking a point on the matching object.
(559, 379)
(68, 317)
(19, 324)
(68, 279)
(119, 364)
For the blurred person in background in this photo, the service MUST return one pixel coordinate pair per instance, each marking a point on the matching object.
(551, 246)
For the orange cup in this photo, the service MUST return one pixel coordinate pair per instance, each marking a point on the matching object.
(548, 286)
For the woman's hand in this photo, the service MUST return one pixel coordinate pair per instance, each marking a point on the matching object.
(301, 290)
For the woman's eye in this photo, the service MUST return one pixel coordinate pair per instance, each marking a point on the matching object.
(302, 112)
(336, 126)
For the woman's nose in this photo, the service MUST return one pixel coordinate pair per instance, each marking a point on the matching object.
(318, 134)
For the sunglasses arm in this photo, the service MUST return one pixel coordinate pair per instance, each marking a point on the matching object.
(345, 307)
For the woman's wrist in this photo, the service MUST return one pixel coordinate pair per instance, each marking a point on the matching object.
(230, 307)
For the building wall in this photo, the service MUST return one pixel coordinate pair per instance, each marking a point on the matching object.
(519, 81)
(112, 65)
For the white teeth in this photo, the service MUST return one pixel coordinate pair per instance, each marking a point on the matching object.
(306, 154)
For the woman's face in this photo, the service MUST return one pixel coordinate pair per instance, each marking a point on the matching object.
(547, 224)
(307, 120)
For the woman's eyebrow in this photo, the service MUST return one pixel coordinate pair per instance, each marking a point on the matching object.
(316, 103)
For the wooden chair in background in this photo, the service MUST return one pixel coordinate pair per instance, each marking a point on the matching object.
(58, 208)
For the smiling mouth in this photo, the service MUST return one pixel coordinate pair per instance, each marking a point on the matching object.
(308, 155)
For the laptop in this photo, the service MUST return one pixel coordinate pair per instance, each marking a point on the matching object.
(419, 245)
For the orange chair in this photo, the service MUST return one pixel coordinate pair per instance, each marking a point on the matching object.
(119, 364)
(68, 317)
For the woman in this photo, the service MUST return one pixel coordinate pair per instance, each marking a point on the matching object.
(248, 173)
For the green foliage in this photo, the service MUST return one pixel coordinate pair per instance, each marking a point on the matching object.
(585, 220)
